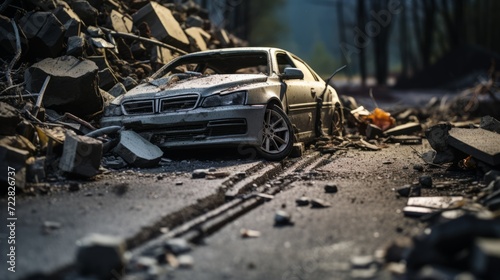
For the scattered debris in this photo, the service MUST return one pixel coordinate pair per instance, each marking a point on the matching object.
(81, 155)
(282, 218)
(302, 201)
(249, 233)
(331, 188)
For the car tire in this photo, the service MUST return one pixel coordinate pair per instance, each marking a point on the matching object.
(277, 135)
(337, 127)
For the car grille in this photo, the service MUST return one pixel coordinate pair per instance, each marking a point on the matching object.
(200, 131)
(138, 107)
(183, 102)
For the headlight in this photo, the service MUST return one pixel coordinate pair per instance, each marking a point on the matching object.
(234, 98)
(113, 110)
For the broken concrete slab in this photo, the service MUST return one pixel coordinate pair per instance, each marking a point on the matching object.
(481, 144)
(67, 72)
(490, 123)
(372, 131)
(9, 118)
(415, 211)
(81, 155)
(101, 256)
(120, 22)
(45, 34)
(404, 129)
(162, 23)
(71, 21)
(137, 151)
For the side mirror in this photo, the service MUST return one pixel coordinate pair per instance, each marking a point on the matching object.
(292, 73)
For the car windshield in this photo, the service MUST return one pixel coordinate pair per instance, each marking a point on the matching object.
(218, 63)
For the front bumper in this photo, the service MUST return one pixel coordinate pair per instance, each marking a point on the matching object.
(226, 125)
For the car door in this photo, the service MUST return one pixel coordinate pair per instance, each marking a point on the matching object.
(301, 96)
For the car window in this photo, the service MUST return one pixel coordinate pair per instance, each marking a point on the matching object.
(283, 62)
(221, 63)
(308, 75)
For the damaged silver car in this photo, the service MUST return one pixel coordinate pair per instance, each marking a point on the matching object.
(266, 98)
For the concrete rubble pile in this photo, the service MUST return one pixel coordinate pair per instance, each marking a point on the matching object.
(64, 61)
(462, 238)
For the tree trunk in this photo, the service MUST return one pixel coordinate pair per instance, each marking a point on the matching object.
(361, 18)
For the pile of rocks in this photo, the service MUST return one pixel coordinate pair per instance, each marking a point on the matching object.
(64, 61)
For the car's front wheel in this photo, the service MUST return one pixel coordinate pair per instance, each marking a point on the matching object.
(277, 134)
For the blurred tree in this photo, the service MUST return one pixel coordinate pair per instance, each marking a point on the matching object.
(361, 21)
(323, 62)
(265, 25)
(381, 40)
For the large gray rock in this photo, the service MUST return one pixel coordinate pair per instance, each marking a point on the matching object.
(162, 23)
(101, 256)
(438, 139)
(137, 151)
(81, 155)
(45, 34)
(73, 87)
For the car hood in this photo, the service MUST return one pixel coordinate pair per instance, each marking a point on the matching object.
(204, 85)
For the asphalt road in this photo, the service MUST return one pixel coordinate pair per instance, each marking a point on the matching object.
(364, 216)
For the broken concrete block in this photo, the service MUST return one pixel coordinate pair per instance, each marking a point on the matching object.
(162, 23)
(120, 22)
(101, 256)
(298, 150)
(73, 86)
(438, 139)
(282, 218)
(75, 46)
(404, 129)
(425, 181)
(85, 11)
(160, 56)
(137, 151)
(45, 34)
(117, 90)
(9, 118)
(302, 201)
(13, 159)
(72, 23)
(100, 43)
(106, 79)
(372, 131)
(81, 155)
(195, 33)
(490, 123)
(481, 144)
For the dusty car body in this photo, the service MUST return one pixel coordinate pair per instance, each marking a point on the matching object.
(263, 97)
